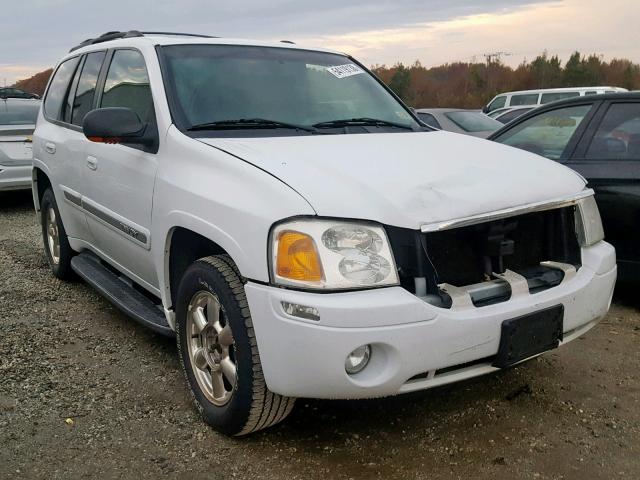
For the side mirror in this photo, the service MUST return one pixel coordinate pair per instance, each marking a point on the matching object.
(114, 125)
(485, 109)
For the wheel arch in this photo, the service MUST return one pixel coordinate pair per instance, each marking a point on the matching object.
(186, 244)
(40, 182)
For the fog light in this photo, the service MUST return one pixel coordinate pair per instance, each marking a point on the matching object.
(301, 311)
(357, 360)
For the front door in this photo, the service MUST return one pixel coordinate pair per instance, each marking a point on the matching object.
(120, 178)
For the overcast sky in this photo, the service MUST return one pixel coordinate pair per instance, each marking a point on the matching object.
(34, 34)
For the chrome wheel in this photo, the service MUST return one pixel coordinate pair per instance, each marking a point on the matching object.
(211, 348)
(53, 236)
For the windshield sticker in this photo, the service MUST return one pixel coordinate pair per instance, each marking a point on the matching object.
(342, 71)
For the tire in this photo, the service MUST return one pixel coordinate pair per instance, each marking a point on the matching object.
(59, 258)
(206, 350)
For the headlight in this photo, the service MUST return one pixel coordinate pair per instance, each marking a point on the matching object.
(334, 255)
(588, 223)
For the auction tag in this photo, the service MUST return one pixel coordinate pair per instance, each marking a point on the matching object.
(342, 71)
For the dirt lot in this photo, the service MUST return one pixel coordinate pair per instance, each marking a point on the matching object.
(87, 393)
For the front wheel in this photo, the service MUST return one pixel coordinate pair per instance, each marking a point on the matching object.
(219, 353)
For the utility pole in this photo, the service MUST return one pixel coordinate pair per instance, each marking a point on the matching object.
(496, 56)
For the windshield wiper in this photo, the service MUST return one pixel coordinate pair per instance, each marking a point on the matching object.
(248, 123)
(363, 121)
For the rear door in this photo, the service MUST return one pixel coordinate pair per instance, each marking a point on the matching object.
(57, 145)
(608, 156)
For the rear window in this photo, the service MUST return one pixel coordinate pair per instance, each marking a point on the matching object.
(19, 113)
(524, 99)
(429, 120)
(513, 114)
(473, 121)
(59, 87)
(554, 97)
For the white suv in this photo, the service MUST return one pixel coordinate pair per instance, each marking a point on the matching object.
(300, 231)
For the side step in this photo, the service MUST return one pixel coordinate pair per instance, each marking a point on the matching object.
(123, 296)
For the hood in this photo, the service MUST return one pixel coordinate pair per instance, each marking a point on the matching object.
(405, 179)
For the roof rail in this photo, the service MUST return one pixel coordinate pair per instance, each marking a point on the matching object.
(179, 34)
(105, 37)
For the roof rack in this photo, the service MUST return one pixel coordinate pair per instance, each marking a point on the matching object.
(179, 34)
(105, 37)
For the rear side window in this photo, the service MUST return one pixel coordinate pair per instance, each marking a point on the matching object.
(618, 136)
(127, 84)
(85, 91)
(499, 102)
(59, 87)
(547, 134)
(429, 120)
(524, 99)
(18, 112)
(554, 97)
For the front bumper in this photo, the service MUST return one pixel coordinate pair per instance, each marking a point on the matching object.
(414, 344)
(15, 177)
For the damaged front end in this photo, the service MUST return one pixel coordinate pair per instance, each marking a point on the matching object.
(488, 259)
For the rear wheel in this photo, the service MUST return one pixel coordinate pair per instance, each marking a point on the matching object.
(219, 353)
(54, 237)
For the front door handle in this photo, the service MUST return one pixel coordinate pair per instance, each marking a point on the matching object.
(50, 147)
(92, 163)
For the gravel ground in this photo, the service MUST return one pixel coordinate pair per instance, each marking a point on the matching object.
(87, 393)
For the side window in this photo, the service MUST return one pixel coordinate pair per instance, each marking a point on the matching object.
(429, 120)
(57, 93)
(83, 100)
(554, 97)
(127, 84)
(547, 134)
(618, 136)
(499, 102)
(524, 99)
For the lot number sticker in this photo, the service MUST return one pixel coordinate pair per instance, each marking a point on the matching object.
(342, 71)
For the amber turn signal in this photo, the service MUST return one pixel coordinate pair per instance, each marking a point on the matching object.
(297, 257)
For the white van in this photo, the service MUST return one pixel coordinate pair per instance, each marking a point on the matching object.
(546, 95)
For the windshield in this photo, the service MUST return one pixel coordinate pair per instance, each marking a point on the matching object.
(473, 121)
(227, 83)
(18, 112)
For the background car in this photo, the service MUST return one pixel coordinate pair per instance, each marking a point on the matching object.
(17, 123)
(543, 96)
(510, 114)
(599, 137)
(11, 92)
(468, 122)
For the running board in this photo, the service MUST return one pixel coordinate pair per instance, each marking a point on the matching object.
(130, 301)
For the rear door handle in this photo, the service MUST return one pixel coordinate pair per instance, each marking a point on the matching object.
(50, 147)
(92, 163)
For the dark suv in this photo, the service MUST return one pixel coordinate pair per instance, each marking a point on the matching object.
(599, 137)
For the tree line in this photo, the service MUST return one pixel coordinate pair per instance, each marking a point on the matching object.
(472, 85)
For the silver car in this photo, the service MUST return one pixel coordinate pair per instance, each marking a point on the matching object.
(17, 123)
(468, 122)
